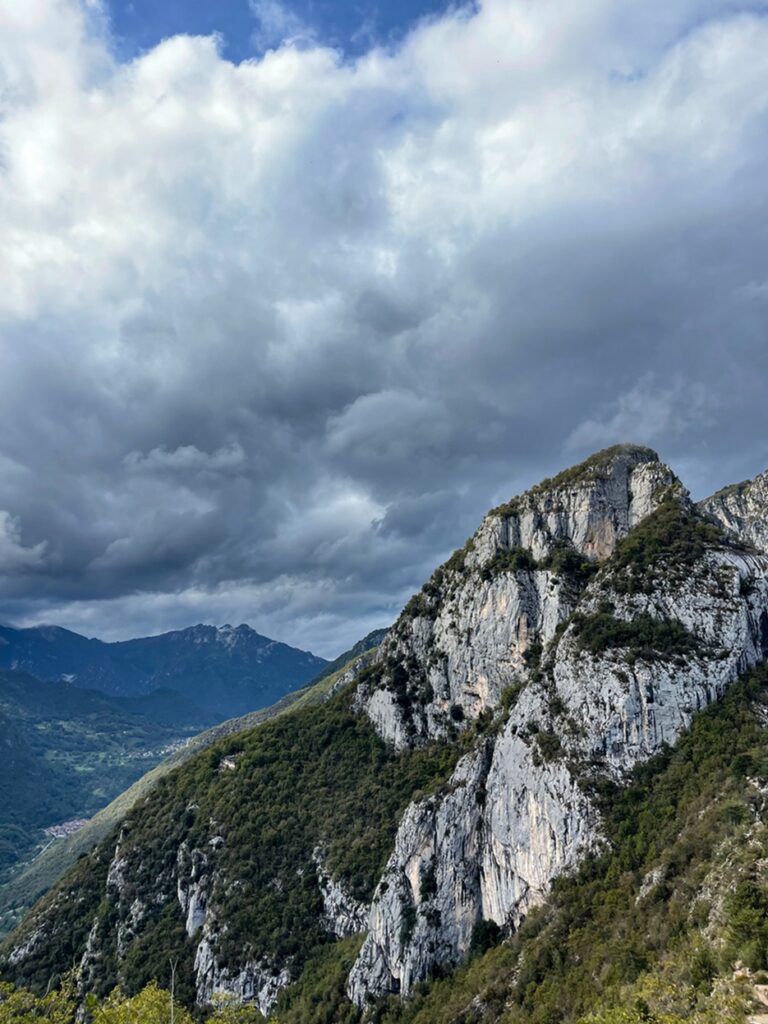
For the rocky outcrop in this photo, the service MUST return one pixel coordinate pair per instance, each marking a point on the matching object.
(342, 915)
(428, 899)
(590, 507)
(255, 982)
(743, 510)
(610, 687)
(468, 635)
(628, 706)
(192, 884)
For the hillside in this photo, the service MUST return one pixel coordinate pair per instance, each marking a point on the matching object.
(541, 797)
(22, 889)
(225, 671)
(371, 640)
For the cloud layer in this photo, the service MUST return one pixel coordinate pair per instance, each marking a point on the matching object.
(274, 335)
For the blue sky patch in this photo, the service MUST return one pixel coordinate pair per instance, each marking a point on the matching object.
(247, 29)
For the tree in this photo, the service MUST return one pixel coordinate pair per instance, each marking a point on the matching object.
(151, 1006)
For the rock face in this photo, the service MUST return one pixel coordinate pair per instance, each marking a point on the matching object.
(743, 510)
(257, 982)
(598, 697)
(466, 636)
(343, 915)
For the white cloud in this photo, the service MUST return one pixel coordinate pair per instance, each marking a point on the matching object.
(278, 24)
(255, 317)
(14, 556)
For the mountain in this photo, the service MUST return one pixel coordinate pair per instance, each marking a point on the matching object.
(371, 640)
(225, 670)
(22, 889)
(740, 509)
(540, 799)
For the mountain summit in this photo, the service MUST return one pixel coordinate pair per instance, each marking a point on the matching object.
(225, 670)
(424, 810)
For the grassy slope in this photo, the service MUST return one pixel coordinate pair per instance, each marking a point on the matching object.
(30, 884)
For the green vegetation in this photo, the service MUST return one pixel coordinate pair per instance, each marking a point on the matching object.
(643, 638)
(427, 602)
(563, 560)
(548, 747)
(319, 996)
(35, 879)
(317, 777)
(511, 560)
(67, 752)
(667, 543)
(153, 1005)
(509, 697)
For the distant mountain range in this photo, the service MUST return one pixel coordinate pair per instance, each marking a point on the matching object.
(35, 795)
(223, 671)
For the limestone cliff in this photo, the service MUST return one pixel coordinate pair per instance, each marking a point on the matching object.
(742, 509)
(465, 637)
(660, 629)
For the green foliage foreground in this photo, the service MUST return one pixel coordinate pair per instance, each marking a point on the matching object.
(152, 1005)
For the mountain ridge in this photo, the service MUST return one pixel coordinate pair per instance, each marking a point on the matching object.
(226, 670)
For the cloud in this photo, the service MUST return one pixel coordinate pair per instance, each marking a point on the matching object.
(187, 459)
(14, 557)
(646, 413)
(274, 335)
(278, 24)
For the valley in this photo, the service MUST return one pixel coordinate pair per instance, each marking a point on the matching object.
(70, 749)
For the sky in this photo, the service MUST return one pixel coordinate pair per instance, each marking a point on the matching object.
(291, 295)
(249, 28)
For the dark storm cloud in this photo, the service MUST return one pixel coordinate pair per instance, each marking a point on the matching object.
(274, 336)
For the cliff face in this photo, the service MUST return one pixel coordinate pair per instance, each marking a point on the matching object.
(661, 630)
(577, 633)
(741, 509)
(465, 637)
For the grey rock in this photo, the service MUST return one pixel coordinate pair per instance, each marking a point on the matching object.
(343, 915)
(516, 813)
(743, 510)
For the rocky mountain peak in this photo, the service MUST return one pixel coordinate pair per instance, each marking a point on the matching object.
(585, 638)
(573, 637)
(742, 509)
(474, 626)
(589, 506)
